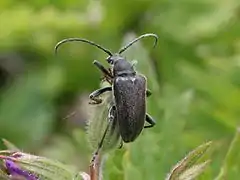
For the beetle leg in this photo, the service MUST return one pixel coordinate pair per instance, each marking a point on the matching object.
(149, 93)
(150, 120)
(94, 95)
(114, 127)
(105, 71)
(110, 119)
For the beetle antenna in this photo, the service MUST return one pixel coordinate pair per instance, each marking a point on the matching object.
(81, 40)
(137, 39)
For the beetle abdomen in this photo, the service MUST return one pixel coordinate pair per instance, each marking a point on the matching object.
(130, 97)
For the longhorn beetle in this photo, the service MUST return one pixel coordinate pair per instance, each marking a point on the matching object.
(128, 87)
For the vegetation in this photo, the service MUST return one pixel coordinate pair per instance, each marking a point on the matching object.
(193, 72)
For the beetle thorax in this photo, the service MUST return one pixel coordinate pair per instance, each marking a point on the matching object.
(121, 67)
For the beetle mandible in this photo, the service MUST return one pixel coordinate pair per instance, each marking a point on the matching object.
(128, 87)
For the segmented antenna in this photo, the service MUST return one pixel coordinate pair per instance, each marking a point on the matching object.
(81, 40)
(137, 39)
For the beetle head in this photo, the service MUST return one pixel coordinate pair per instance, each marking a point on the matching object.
(121, 66)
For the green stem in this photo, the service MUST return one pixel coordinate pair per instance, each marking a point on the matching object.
(230, 157)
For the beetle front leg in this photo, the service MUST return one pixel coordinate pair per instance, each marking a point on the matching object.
(150, 120)
(107, 73)
(94, 95)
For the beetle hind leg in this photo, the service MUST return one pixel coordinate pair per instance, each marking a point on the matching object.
(150, 120)
(100, 144)
(121, 144)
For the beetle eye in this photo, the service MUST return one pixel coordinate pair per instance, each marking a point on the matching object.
(110, 60)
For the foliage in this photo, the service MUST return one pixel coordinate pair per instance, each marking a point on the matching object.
(193, 74)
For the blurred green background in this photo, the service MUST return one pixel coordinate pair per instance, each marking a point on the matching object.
(194, 73)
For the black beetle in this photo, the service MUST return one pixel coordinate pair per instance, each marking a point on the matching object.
(129, 90)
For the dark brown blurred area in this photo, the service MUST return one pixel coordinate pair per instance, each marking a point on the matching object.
(11, 66)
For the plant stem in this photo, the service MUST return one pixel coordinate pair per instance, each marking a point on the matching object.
(95, 168)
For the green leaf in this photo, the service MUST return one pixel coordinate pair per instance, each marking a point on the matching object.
(186, 168)
(9, 145)
(194, 171)
(231, 166)
(3, 175)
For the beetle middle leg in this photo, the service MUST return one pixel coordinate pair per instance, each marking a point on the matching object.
(150, 120)
(148, 93)
(94, 95)
(107, 72)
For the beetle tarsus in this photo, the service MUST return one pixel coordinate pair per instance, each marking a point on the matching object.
(120, 145)
(95, 101)
(94, 96)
